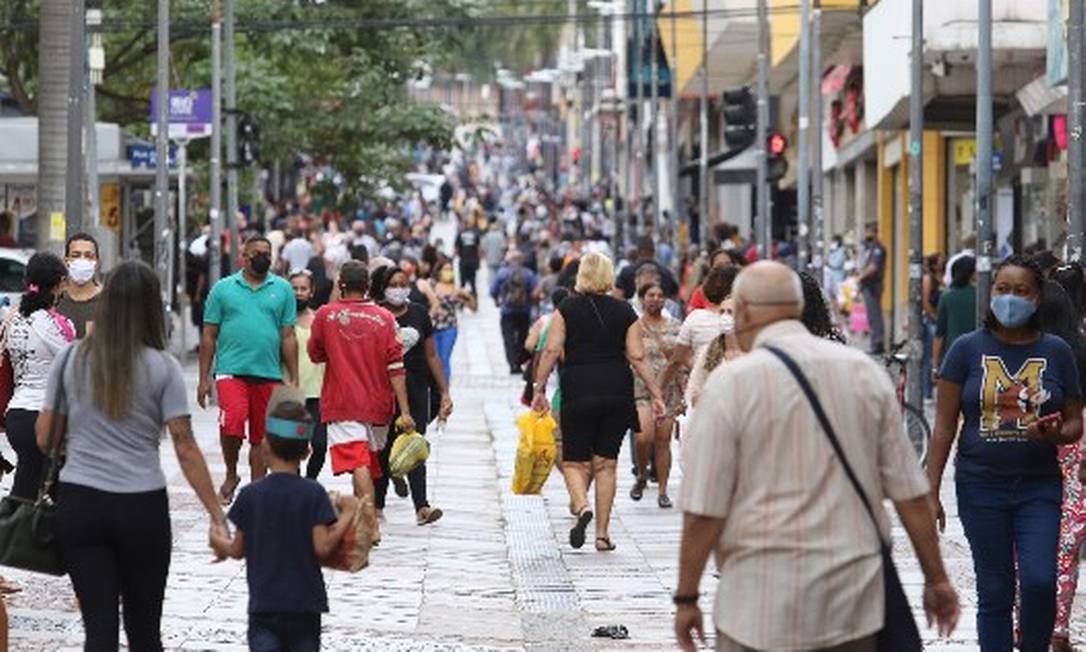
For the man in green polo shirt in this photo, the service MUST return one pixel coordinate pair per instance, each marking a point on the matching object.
(249, 332)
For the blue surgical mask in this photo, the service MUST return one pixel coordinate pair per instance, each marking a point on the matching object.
(1012, 311)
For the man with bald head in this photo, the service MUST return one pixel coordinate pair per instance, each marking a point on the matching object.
(801, 558)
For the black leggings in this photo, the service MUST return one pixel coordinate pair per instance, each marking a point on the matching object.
(31, 463)
(116, 547)
(319, 445)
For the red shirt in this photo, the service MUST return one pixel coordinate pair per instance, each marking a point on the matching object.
(697, 300)
(357, 340)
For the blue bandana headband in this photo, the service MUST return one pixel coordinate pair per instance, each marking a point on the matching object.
(286, 429)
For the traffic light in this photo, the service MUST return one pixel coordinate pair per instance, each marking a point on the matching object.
(776, 164)
(740, 118)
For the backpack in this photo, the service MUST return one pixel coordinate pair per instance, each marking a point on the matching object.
(515, 292)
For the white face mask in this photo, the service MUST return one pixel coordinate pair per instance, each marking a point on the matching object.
(727, 323)
(397, 296)
(81, 270)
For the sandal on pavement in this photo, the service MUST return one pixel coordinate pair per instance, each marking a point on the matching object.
(638, 489)
(226, 496)
(428, 515)
(664, 502)
(606, 546)
(576, 533)
(400, 486)
(7, 587)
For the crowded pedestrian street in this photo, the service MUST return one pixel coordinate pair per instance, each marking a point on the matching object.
(494, 574)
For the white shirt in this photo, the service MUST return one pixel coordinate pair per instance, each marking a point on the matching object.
(699, 328)
(297, 253)
(801, 564)
(33, 343)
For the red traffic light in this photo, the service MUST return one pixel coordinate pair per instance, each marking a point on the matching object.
(777, 143)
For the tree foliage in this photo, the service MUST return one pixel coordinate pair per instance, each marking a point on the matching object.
(317, 79)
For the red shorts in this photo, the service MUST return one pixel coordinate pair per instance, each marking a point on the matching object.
(241, 401)
(350, 448)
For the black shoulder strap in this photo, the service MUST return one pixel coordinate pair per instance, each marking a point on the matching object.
(831, 434)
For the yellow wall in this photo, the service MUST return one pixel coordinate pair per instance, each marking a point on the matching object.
(934, 192)
(784, 24)
(689, 45)
(896, 236)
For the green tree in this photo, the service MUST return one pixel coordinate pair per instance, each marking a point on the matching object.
(329, 81)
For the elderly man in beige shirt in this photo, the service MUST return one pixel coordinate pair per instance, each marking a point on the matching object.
(800, 558)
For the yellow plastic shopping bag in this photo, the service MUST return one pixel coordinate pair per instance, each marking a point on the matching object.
(535, 452)
(409, 451)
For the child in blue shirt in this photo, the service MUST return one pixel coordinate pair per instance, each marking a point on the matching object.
(285, 525)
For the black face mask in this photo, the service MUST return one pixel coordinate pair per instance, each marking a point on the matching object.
(302, 304)
(260, 264)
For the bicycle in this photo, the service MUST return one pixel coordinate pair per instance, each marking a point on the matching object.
(913, 419)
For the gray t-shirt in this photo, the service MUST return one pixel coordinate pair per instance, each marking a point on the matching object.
(119, 456)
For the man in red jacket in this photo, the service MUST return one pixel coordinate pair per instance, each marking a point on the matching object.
(363, 378)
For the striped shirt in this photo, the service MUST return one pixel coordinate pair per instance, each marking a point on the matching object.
(801, 567)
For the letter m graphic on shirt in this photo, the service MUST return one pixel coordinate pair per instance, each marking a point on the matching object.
(1006, 399)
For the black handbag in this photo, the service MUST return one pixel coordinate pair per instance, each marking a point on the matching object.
(899, 632)
(28, 527)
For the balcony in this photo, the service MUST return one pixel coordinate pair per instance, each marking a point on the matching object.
(1019, 39)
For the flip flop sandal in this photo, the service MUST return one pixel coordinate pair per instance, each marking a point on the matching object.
(225, 498)
(664, 502)
(638, 490)
(432, 516)
(607, 545)
(7, 587)
(614, 632)
(576, 533)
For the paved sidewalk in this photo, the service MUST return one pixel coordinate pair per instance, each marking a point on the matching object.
(496, 573)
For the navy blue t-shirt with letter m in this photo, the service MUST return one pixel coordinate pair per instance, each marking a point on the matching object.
(1005, 388)
(277, 515)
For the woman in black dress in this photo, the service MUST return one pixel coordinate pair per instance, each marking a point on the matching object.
(600, 340)
(391, 288)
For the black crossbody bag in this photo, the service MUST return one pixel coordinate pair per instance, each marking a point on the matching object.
(899, 632)
(28, 538)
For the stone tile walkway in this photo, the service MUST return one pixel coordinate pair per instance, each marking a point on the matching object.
(496, 573)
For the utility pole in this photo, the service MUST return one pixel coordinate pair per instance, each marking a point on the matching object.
(1076, 151)
(639, 62)
(803, 171)
(816, 144)
(231, 131)
(162, 161)
(916, 206)
(93, 45)
(984, 157)
(73, 195)
(214, 241)
(182, 228)
(654, 140)
(703, 114)
(673, 136)
(765, 226)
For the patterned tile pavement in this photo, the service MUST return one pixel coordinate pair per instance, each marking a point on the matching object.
(495, 574)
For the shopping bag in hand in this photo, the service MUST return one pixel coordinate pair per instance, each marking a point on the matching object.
(353, 552)
(535, 452)
(409, 450)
